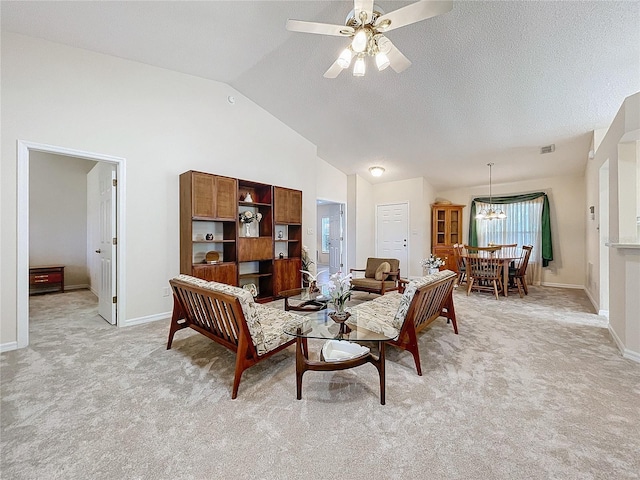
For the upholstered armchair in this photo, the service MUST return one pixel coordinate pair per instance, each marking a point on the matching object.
(381, 275)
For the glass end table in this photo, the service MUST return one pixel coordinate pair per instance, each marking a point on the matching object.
(321, 326)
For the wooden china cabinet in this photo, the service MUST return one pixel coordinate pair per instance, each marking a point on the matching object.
(446, 231)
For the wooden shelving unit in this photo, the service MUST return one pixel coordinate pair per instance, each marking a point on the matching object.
(210, 210)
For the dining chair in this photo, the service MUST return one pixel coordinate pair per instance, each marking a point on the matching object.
(509, 249)
(458, 255)
(517, 275)
(484, 271)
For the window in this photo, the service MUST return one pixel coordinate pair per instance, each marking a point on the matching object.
(523, 226)
(325, 234)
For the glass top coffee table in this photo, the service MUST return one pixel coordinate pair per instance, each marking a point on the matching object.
(320, 325)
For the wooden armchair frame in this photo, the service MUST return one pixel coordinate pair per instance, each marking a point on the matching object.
(218, 316)
(429, 302)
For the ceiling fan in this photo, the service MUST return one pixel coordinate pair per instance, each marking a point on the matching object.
(366, 25)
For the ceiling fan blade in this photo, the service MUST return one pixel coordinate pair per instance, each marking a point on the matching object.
(333, 71)
(413, 13)
(319, 28)
(397, 60)
(365, 6)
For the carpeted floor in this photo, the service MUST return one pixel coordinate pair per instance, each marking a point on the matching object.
(531, 388)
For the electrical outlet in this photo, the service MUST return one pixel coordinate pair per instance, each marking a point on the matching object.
(309, 231)
(165, 291)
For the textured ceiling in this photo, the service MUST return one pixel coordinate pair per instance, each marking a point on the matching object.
(490, 81)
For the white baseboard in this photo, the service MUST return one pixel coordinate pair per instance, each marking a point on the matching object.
(603, 313)
(593, 301)
(562, 285)
(626, 353)
(146, 319)
(94, 291)
(7, 347)
(76, 287)
(631, 355)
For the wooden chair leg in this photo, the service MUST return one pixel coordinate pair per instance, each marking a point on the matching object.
(412, 347)
(469, 284)
(524, 285)
(451, 313)
(175, 322)
(241, 364)
(495, 289)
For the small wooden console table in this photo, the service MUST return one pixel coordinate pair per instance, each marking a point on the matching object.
(46, 279)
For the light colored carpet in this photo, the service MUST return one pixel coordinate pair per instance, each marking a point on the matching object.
(532, 388)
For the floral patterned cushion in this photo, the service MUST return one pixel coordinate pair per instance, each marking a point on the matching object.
(273, 321)
(375, 316)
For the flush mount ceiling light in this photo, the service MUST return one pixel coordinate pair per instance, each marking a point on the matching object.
(490, 214)
(376, 171)
(365, 25)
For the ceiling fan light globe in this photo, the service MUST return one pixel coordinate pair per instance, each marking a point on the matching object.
(344, 60)
(382, 61)
(359, 68)
(359, 43)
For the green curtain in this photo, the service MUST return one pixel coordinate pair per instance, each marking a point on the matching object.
(547, 247)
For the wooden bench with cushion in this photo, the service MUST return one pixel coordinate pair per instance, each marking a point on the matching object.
(380, 276)
(229, 316)
(422, 301)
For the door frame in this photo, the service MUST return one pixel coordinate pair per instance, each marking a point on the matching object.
(343, 226)
(375, 226)
(22, 268)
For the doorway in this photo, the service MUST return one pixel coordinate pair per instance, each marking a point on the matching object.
(603, 229)
(25, 149)
(330, 241)
(392, 233)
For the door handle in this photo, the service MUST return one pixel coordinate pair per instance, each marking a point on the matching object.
(98, 251)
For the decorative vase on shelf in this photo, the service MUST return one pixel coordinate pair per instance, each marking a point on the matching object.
(247, 229)
(248, 198)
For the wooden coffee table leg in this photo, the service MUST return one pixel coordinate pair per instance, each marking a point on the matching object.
(300, 364)
(382, 373)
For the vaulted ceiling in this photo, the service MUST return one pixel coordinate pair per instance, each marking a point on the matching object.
(491, 81)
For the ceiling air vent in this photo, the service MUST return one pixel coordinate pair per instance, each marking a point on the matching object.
(548, 149)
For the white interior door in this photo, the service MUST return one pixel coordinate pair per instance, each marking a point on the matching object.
(107, 247)
(392, 234)
(335, 238)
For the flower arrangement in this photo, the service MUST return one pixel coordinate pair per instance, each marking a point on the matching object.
(339, 288)
(432, 262)
(249, 217)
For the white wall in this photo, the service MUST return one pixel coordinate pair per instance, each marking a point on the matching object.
(418, 194)
(360, 222)
(569, 211)
(163, 123)
(58, 215)
(624, 263)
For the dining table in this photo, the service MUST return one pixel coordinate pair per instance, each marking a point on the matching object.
(506, 256)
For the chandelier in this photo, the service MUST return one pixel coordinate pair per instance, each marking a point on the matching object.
(490, 214)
